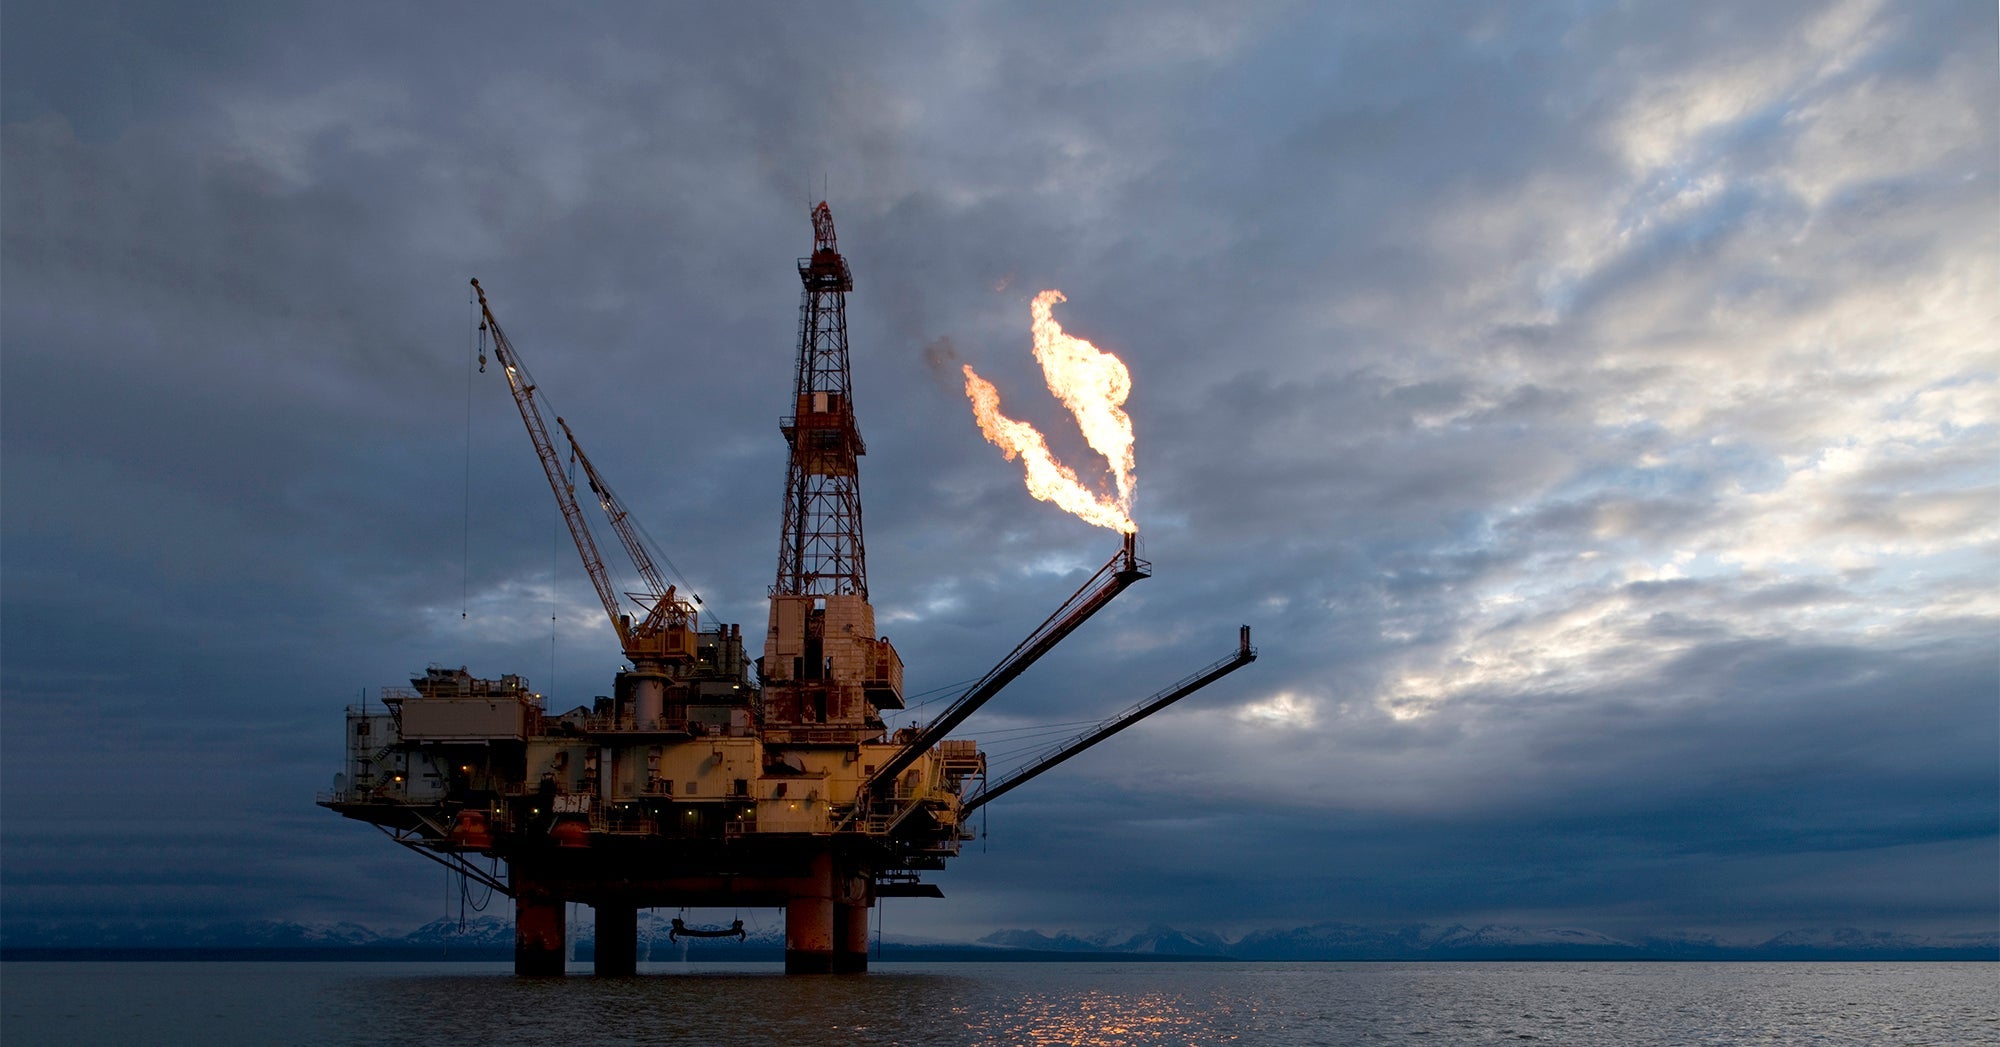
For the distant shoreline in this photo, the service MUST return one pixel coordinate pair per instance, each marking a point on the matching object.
(893, 954)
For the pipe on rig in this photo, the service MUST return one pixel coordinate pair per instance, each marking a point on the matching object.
(1049, 758)
(1113, 578)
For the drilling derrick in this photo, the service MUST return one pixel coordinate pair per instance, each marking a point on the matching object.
(826, 675)
(821, 554)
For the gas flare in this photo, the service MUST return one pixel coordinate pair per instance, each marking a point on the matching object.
(1093, 384)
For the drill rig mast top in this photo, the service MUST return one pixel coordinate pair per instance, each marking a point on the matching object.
(821, 553)
(826, 674)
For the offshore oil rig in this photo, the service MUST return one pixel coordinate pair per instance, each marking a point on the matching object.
(695, 784)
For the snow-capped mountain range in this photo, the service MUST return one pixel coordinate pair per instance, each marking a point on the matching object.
(492, 936)
(1342, 941)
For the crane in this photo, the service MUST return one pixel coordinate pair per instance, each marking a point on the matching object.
(668, 629)
(523, 388)
(667, 633)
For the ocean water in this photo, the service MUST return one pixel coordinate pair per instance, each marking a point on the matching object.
(1099, 1004)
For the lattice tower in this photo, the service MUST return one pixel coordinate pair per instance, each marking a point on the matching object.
(821, 553)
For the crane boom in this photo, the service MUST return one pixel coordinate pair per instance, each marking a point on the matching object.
(1055, 754)
(523, 388)
(662, 609)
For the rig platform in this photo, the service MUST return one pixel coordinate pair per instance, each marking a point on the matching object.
(708, 778)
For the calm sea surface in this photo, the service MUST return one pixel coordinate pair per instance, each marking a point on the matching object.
(1006, 1004)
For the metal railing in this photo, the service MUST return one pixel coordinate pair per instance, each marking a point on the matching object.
(632, 725)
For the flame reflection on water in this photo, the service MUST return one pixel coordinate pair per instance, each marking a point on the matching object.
(1121, 1004)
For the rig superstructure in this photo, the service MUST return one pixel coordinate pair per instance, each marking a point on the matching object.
(692, 784)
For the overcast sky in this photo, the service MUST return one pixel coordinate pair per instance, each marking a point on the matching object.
(1591, 407)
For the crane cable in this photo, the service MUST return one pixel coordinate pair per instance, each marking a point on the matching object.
(665, 559)
(465, 565)
(555, 555)
(547, 402)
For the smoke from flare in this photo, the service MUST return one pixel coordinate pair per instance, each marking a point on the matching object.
(1094, 385)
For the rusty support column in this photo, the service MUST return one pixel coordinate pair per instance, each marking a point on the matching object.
(617, 940)
(850, 938)
(809, 921)
(538, 930)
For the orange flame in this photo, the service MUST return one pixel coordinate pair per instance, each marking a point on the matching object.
(1093, 384)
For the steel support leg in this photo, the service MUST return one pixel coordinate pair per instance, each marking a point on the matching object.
(809, 922)
(850, 938)
(538, 931)
(617, 940)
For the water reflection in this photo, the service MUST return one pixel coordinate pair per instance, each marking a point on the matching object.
(756, 1006)
(1100, 1019)
(990, 1004)
(1098, 1005)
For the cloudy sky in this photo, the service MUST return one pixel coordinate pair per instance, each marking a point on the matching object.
(1591, 407)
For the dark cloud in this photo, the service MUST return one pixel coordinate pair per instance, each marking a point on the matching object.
(1591, 412)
